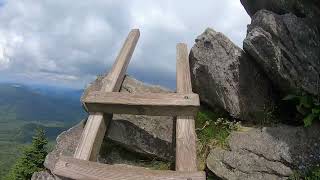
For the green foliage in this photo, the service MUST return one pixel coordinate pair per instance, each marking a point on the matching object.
(210, 126)
(16, 134)
(212, 130)
(32, 158)
(313, 174)
(9, 152)
(307, 106)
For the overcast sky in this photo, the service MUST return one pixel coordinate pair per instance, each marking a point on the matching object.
(67, 42)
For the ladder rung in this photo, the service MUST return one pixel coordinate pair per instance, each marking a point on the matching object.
(165, 104)
(85, 170)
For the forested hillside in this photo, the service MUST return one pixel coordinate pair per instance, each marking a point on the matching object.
(23, 108)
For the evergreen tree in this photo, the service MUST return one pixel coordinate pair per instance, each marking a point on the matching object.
(32, 158)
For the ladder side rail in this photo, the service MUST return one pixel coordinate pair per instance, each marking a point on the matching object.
(96, 125)
(186, 158)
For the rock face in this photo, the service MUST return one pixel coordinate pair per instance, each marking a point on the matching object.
(141, 141)
(224, 76)
(149, 136)
(66, 145)
(287, 48)
(267, 153)
(301, 8)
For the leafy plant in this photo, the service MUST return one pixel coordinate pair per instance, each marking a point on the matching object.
(312, 174)
(212, 131)
(31, 159)
(307, 106)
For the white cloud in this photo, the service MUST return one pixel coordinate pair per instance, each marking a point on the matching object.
(67, 41)
(9, 42)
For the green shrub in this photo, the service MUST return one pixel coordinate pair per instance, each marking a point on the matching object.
(312, 174)
(307, 106)
(32, 158)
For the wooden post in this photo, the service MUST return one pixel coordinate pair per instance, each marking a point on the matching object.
(95, 128)
(186, 156)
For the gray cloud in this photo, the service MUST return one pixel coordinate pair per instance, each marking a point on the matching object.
(67, 43)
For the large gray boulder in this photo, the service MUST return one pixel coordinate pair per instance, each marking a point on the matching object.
(149, 135)
(288, 50)
(301, 8)
(225, 76)
(267, 153)
(141, 136)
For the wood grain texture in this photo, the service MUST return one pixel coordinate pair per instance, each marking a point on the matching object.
(86, 170)
(157, 104)
(95, 128)
(119, 68)
(186, 156)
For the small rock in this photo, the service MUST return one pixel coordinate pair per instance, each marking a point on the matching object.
(43, 175)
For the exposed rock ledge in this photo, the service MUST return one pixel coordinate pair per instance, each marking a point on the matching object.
(266, 154)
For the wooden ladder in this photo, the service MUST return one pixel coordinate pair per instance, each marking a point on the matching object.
(101, 104)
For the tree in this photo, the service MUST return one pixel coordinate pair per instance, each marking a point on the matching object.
(32, 158)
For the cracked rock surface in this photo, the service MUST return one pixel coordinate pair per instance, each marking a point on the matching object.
(287, 48)
(225, 77)
(267, 153)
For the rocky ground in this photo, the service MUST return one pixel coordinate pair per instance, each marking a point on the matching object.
(266, 153)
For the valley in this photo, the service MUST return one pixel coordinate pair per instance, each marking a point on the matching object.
(24, 108)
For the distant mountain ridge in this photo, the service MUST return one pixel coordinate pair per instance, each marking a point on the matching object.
(26, 107)
(40, 103)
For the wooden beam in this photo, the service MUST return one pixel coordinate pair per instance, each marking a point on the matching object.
(95, 128)
(157, 104)
(86, 170)
(186, 158)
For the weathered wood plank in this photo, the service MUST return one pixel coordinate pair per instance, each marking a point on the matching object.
(185, 125)
(86, 170)
(158, 104)
(94, 131)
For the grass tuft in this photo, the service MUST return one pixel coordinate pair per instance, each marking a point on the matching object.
(213, 130)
